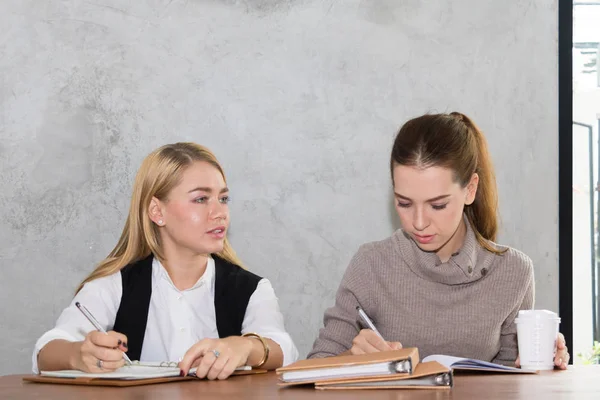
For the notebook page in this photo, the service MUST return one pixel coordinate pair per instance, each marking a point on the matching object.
(126, 372)
(457, 362)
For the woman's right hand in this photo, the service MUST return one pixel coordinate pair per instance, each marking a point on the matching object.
(367, 341)
(100, 352)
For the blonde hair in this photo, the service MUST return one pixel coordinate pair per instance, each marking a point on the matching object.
(159, 173)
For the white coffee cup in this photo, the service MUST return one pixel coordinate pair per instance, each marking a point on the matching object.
(536, 334)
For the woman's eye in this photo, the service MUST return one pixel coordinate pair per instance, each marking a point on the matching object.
(225, 199)
(202, 199)
(438, 206)
(403, 205)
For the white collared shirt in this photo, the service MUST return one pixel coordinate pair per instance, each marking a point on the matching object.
(176, 319)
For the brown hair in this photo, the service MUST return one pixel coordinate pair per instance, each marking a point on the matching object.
(453, 141)
(159, 173)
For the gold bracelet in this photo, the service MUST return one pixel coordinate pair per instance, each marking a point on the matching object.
(265, 347)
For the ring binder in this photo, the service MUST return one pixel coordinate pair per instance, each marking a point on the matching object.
(402, 366)
(386, 363)
(444, 379)
(431, 375)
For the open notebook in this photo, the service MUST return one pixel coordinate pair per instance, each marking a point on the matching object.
(350, 366)
(458, 363)
(139, 373)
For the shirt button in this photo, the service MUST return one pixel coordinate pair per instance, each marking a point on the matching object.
(180, 297)
(484, 272)
(182, 329)
(470, 269)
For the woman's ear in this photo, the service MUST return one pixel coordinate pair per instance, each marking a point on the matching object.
(472, 189)
(155, 212)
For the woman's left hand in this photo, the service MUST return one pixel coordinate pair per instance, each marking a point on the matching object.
(562, 356)
(216, 358)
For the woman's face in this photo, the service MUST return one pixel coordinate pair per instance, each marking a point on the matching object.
(195, 215)
(430, 205)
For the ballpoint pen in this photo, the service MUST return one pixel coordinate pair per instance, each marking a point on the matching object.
(97, 325)
(368, 321)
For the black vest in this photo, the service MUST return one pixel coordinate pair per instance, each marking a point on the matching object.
(233, 288)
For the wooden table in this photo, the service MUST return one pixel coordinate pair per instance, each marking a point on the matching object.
(576, 383)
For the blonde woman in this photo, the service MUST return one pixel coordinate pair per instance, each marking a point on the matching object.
(172, 289)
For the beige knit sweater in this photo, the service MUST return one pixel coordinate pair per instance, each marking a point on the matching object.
(465, 307)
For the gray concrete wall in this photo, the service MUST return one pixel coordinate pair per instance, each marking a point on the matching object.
(300, 100)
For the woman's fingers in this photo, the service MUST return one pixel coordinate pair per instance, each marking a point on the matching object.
(229, 369)
(375, 340)
(217, 367)
(194, 354)
(207, 362)
(106, 354)
(108, 366)
(562, 356)
(361, 346)
(561, 359)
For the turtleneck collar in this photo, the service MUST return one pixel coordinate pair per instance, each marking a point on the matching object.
(469, 264)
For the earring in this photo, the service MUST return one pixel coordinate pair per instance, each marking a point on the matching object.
(160, 222)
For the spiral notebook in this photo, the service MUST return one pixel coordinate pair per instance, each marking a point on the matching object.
(138, 373)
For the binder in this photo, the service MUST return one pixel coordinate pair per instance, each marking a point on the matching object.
(386, 363)
(427, 375)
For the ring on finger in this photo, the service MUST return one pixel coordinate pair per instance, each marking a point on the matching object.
(216, 353)
(99, 363)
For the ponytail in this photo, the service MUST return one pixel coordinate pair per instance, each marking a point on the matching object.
(482, 214)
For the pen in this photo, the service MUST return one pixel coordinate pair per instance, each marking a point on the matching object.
(97, 325)
(368, 321)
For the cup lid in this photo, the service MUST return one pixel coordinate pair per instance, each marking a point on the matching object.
(537, 314)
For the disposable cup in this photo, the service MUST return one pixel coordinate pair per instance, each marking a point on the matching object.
(536, 335)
